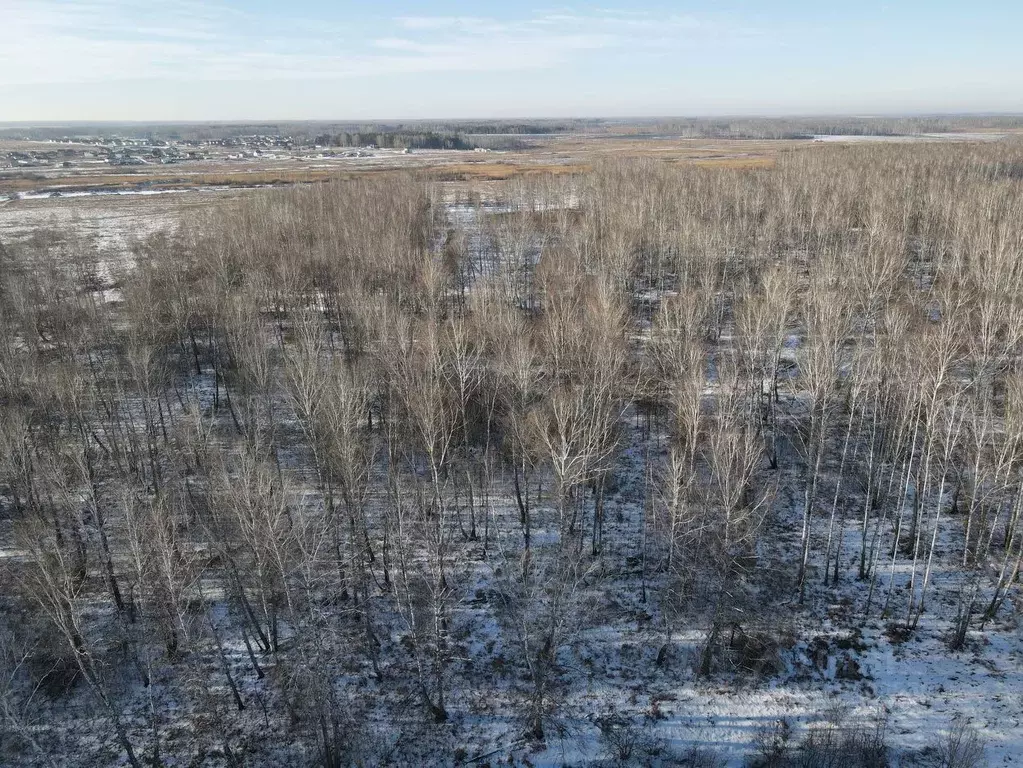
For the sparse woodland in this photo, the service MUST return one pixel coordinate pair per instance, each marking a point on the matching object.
(361, 474)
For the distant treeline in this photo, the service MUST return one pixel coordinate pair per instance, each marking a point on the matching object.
(431, 134)
(503, 134)
(394, 140)
(806, 127)
(441, 136)
(496, 127)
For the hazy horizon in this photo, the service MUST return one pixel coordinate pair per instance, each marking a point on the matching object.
(631, 120)
(189, 61)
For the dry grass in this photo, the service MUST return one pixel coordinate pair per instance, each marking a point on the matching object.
(734, 162)
(568, 154)
(498, 171)
(557, 155)
(176, 181)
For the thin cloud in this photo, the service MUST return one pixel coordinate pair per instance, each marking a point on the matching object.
(47, 41)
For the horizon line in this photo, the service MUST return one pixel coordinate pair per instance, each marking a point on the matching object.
(524, 117)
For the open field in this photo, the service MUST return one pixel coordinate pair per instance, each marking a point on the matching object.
(568, 153)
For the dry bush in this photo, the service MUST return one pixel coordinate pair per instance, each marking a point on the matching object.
(961, 746)
(307, 429)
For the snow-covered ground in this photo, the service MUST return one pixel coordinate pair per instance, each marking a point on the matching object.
(836, 660)
(113, 220)
(907, 138)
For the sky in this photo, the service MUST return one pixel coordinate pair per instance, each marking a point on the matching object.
(182, 60)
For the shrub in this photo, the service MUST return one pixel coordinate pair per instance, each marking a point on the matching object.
(961, 746)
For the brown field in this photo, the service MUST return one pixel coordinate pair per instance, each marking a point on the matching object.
(560, 154)
(733, 162)
(556, 155)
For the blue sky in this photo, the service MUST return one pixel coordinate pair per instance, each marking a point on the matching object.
(331, 59)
